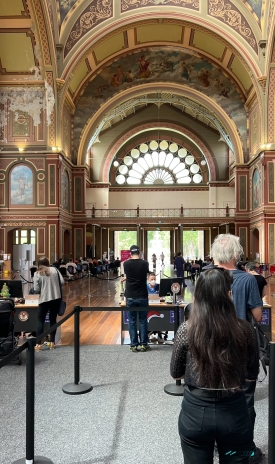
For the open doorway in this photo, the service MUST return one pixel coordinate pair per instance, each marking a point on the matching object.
(158, 244)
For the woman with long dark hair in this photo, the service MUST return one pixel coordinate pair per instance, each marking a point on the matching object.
(215, 352)
(46, 283)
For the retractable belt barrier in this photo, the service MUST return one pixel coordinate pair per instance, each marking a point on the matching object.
(77, 387)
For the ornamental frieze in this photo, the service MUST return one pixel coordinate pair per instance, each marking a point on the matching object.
(127, 5)
(225, 11)
(97, 12)
(25, 224)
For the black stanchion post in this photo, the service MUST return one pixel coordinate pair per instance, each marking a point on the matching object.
(175, 389)
(30, 394)
(271, 409)
(76, 388)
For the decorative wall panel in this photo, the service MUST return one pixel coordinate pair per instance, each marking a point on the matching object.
(2, 240)
(78, 242)
(41, 194)
(270, 182)
(52, 184)
(243, 239)
(243, 193)
(271, 257)
(40, 240)
(78, 204)
(2, 194)
(52, 242)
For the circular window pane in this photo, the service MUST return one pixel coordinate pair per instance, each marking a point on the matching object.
(194, 168)
(153, 145)
(189, 159)
(197, 178)
(135, 153)
(128, 161)
(163, 145)
(123, 169)
(173, 147)
(184, 180)
(143, 148)
(120, 179)
(182, 152)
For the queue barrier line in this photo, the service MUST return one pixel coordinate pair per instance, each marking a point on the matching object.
(77, 387)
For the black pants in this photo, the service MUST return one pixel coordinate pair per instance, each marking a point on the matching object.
(203, 421)
(249, 391)
(43, 308)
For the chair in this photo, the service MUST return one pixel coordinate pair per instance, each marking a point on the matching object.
(187, 269)
(85, 268)
(79, 270)
(272, 269)
(63, 272)
(71, 271)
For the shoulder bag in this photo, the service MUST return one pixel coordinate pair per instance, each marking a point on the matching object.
(62, 307)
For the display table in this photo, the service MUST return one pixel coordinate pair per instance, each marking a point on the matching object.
(162, 317)
(25, 320)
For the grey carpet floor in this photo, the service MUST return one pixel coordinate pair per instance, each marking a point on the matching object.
(126, 419)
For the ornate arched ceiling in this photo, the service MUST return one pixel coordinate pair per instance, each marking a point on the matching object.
(91, 50)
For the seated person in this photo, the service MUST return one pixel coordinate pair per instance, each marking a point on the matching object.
(62, 264)
(195, 270)
(71, 263)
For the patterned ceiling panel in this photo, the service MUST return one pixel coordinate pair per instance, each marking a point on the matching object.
(127, 5)
(227, 12)
(16, 51)
(97, 12)
(14, 9)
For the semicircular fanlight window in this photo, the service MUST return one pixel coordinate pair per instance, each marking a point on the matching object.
(159, 162)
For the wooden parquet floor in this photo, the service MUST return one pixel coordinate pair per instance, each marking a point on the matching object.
(104, 327)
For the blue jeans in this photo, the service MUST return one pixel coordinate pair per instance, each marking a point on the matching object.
(142, 315)
(203, 421)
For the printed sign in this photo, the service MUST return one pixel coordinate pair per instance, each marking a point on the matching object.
(265, 317)
(125, 254)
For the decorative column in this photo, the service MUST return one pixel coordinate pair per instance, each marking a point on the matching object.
(180, 238)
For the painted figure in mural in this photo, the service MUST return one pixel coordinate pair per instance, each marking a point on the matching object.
(22, 185)
(256, 189)
(114, 82)
(203, 76)
(143, 67)
(185, 71)
(120, 75)
(129, 76)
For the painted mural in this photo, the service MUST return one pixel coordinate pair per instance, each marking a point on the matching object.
(256, 191)
(65, 191)
(256, 6)
(21, 185)
(160, 65)
(64, 7)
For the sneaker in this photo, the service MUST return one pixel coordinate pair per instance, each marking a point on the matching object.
(145, 348)
(160, 340)
(134, 349)
(256, 456)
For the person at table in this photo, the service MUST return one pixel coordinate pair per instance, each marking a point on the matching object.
(153, 289)
(214, 407)
(136, 293)
(46, 283)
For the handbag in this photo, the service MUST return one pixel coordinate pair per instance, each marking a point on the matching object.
(63, 304)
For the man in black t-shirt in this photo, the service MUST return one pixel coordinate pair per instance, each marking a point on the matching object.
(136, 293)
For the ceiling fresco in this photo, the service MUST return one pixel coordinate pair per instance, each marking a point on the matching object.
(158, 65)
(256, 6)
(64, 7)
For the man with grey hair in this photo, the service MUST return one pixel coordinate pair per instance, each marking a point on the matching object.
(226, 251)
